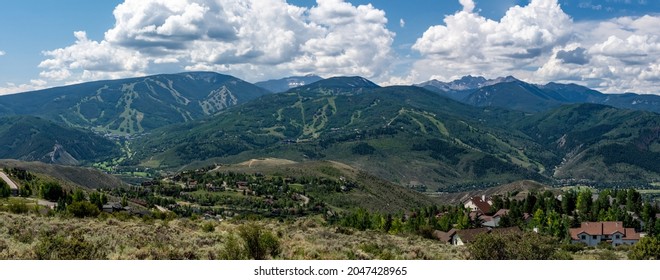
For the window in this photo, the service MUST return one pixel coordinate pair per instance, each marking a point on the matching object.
(584, 237)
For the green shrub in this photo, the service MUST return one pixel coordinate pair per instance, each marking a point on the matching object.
(604, 246)
(258, 242)
(5, 191)
(208, 227)
(271, 243)
(52, 191)
(573, 248)
(648, 248)
(512, 246)
(233, 249)
(83, 209)
(562, 255)
(57, 247)
(606, 255)
(426, 231)
(124, 216)
(17, 207)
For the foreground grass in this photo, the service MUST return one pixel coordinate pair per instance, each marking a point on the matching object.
(32, 236)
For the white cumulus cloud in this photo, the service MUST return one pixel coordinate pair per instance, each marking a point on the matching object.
(34, 84)
(2, 53)
(623, 55)
(468, 5)
(252, 39)
(93, 60)
(540, 43)
(468, 43)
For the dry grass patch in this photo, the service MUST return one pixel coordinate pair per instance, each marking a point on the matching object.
(31, 236)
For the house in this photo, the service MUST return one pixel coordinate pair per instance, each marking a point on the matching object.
(593, 233)
(479, 204)
(114, 207)
(465, 236)
(242, 185)
(494, 221)
(486, 221)
(444, 237)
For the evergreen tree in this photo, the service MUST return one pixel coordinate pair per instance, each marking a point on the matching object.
(52, 191)
(5, 191)
(583, 203)
(463, 221)
(539, 220)
(78, 195)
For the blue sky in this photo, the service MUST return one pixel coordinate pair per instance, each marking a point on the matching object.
(611, 45)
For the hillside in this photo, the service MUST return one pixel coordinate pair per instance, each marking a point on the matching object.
(598, 142)
(69, 175)
(403, 134)
(35, 139)
(406, 135)
(134, 105)
(27, 237)
(370, 192)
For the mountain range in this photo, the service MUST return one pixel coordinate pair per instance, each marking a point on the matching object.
(135, 105)
(511, 93)
(468, 133)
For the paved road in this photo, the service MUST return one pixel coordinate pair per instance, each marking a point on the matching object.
(9, 182)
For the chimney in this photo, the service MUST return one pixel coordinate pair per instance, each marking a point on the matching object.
(483, 197)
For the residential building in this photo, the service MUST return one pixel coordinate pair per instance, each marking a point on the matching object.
(444, 237)
(593, 233)
(478, 204)
(465, 236)
(494, 221)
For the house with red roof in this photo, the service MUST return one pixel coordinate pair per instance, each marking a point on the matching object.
(593, 233)
(478, 204)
